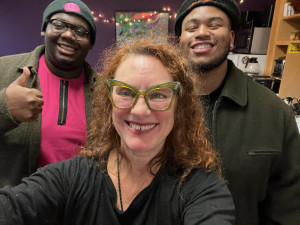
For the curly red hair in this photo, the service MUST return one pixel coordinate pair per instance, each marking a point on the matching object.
(187, 146)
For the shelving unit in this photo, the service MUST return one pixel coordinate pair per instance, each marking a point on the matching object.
(280, 46)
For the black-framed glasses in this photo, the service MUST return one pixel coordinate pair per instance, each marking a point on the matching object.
(60, 26)
(157, 98)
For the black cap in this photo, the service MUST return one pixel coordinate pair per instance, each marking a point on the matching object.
(71, 6)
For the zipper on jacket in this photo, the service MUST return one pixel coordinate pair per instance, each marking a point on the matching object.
(254, 153)
(63, 102)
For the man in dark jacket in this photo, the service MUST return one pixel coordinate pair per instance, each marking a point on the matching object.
(45, 95)
(253, 130)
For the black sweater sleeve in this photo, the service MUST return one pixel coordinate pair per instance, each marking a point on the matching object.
(40, 198)
(207, 200)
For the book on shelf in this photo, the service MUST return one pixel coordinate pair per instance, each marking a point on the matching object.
(288, 9)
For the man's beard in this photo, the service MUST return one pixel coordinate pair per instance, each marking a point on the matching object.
(202, 68)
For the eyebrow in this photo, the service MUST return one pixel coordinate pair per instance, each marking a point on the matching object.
(215, 18)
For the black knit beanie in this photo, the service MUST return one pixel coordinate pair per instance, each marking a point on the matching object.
(228, 6)
(71, 6)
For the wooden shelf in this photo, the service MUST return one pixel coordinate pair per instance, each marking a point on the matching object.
(292, 18)
(290, 81)
(283, 43)
(280, 46)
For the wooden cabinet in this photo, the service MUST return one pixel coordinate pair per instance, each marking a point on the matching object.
(281, 45)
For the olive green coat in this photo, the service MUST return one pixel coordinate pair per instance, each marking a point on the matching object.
(20, 143)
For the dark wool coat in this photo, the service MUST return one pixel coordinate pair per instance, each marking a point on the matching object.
(257, 137)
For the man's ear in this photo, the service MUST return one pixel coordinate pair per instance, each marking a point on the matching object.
(43, 33)
(232, 38)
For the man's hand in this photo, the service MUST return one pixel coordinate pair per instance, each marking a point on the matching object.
(25, 104)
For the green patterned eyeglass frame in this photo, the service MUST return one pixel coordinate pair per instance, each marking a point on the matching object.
(174, 85)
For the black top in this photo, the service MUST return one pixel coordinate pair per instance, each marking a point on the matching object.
(76, 192)
(209, 102)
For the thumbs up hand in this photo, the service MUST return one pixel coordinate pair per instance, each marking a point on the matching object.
(25, 104)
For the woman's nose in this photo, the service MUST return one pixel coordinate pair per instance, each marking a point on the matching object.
(140, 107)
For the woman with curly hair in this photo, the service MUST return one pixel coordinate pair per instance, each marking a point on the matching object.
(147, 159)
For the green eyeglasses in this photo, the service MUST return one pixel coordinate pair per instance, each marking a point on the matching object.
(157, 98)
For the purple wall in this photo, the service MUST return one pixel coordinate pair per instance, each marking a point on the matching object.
(20, 21)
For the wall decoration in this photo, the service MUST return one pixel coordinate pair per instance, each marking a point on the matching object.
(131, 26)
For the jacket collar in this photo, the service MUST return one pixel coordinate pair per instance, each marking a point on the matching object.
(30, 61)
(235, 85)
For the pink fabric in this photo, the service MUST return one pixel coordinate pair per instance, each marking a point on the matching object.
(60, 142)
(72, 7)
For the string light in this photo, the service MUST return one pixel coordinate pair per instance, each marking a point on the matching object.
(112, 20)
(166, 9)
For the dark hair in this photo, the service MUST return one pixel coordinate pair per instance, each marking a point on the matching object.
(187, 146)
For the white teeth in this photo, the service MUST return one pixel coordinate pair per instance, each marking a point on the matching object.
(202, 46)
(138, 127)
(67, 48)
